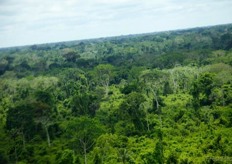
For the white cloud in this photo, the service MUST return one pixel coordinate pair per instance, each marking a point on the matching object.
(37, 21)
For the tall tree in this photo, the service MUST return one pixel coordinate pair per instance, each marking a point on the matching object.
(131, 110)
(202, 89)
(153, 82)
(104, 74)
(43, 111)
(21, 128)
(83, 132)
(20, 121)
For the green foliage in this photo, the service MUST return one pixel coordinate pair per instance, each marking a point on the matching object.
(82, 133)
(158, 153)
(4, 158)
(67, 156)
(130, 88)
(44, 97)
(20, 120)
(151, 98)
(84, 104)
(130, 110)
(202, 89)
(105, 149)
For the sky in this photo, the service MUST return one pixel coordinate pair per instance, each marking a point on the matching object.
(28, 22)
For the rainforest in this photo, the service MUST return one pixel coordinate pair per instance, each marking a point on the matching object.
(150, 98)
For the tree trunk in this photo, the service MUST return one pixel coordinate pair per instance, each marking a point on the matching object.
(223, 98)
(85, 152)
(161, 124)
(16, 155)
(106, 90)
(158, 109)
(148, 126)
(48, 136)
(175, 85)
(24, 142)
(147, 119)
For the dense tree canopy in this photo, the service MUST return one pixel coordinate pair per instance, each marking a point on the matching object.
(151, 98)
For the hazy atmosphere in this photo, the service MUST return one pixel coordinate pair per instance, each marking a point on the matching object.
(40, 21)
(159, 91)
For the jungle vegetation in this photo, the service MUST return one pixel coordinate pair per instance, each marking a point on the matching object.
(139, 99)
